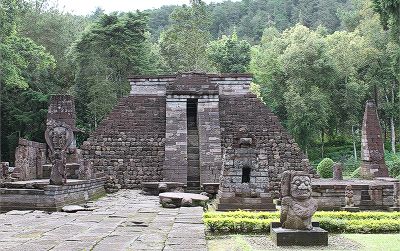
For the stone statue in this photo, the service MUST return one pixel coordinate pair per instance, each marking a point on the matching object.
(58, 136)
(349, 196)
(297, 205)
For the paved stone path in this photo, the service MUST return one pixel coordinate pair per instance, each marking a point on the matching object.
(126, 220)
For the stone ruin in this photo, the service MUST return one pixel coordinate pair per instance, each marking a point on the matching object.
(47, 178)
(372, 151)
(190, 127)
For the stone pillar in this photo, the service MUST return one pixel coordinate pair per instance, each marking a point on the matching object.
(372, 152)
(337, 170)
(175, 162)
(209, 140)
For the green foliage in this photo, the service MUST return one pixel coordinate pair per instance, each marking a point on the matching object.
(25, 68)
(393, 164)
(334, 222)
(356, 173)
(230, 55)
(114, 47)
(324, 168)
(183, 44)
(389, 11)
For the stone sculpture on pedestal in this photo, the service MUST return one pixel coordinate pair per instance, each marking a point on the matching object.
(58, 136)
(348, 193)
(297, 205)
(297, 208)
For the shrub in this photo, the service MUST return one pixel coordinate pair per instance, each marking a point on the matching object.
(335, 222)
(324, 168)
(356, 173)
(394, 166)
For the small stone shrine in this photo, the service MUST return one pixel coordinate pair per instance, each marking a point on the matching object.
(190, 128)
(372, 152)
(297, 208)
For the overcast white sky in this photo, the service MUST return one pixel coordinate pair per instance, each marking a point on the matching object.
(83, 7)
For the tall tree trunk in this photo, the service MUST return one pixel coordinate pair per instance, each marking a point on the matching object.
(392, 126)
(354, 143)
(322, 143)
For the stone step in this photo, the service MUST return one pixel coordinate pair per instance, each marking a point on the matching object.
(193, 156)
(193, 140)
(192, 149)
(193, 163)
(192, 184)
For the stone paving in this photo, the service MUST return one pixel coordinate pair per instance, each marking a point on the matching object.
(126, 220)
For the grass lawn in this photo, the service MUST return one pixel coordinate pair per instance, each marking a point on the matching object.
(364, 242)
(384, 242)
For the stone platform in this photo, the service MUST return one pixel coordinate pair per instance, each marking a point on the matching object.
(39, 195)
(126, 220)
(291, 237)
(377, 194)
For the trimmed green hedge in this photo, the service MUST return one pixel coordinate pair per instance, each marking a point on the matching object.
(333, 222)
(324, 168)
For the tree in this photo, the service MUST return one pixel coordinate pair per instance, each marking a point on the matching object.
(183, 45)
(389, 11)
(229, 54)
(114, 47)
(24, 85)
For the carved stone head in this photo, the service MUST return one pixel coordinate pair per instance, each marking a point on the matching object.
(58, 136)
(296, 184)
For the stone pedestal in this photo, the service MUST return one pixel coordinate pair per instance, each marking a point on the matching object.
(291, 237)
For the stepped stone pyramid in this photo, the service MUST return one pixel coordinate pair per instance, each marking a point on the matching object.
(195, 128)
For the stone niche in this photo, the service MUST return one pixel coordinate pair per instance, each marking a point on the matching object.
(243, 182)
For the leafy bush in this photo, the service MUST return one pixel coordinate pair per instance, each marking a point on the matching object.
(394, 166)
(356, 173)
(324, 168)
(334, 222)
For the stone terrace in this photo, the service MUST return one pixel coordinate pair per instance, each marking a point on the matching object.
(126, 220)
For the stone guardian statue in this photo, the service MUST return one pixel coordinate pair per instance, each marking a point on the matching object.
(58, 136)
(297, 206)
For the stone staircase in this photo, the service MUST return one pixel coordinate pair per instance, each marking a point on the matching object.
(193, 181)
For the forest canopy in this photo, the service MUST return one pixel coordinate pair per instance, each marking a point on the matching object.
(314, 62)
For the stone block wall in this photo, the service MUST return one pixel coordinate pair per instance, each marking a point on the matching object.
(368, 195)
(275, 149)
(129, 143)
(176, 141)
(209, 139)
(30, 157)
